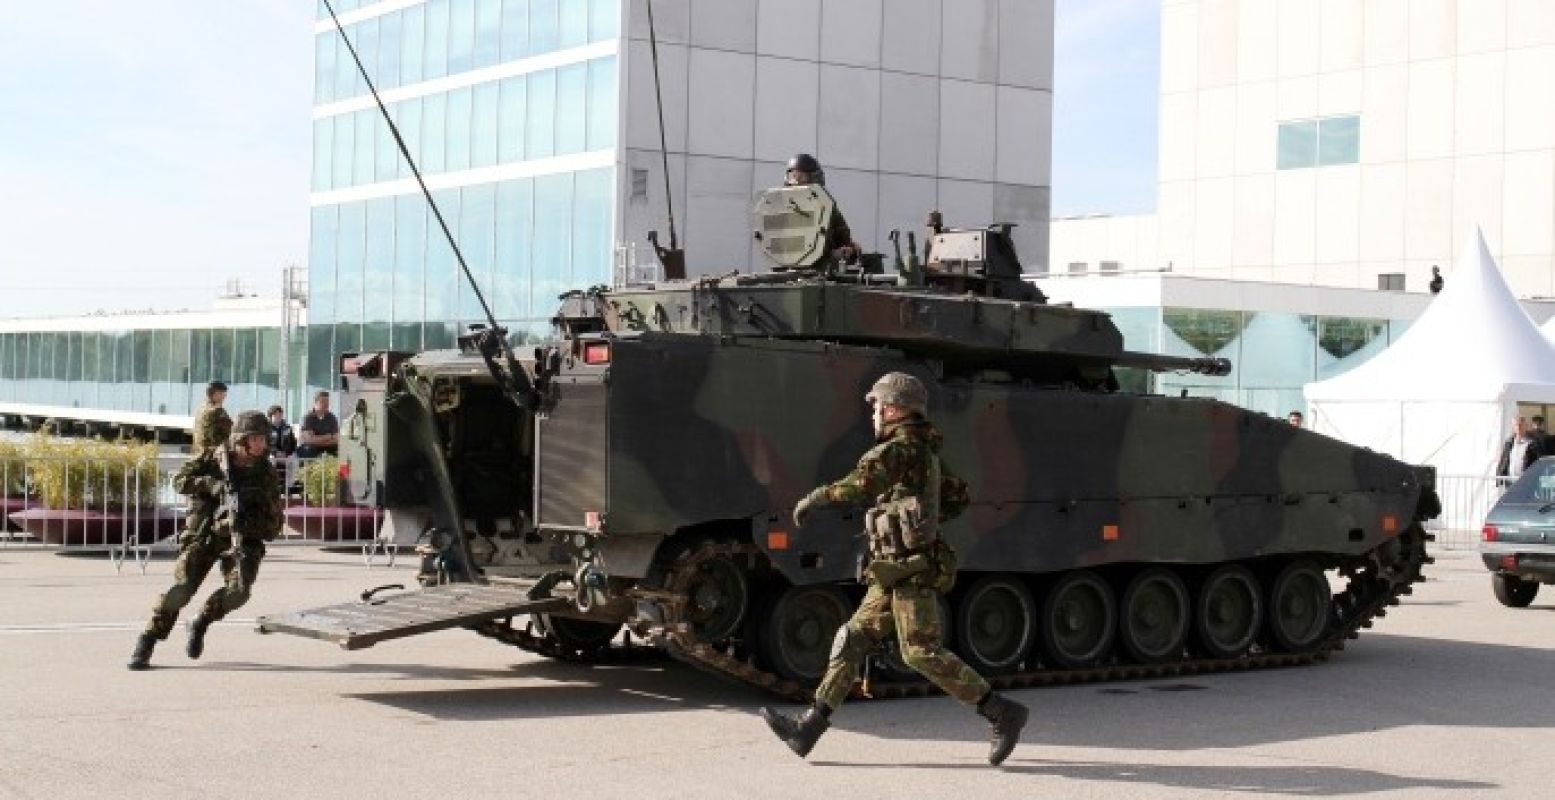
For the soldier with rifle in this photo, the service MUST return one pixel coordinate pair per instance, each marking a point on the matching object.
(909, 568)
(234, 508)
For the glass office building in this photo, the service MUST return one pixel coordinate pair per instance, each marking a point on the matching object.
(536, 126)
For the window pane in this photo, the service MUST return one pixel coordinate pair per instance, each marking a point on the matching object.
(461, 35)
(350, 251)
(389, 51)
(1297, 144)
(347, 79)
(477, 218)
(434, 119)
(323, 153)
(488, 33)
(515, 29)
(321, 341)
(321, 267)
(574, 23)
(604, 19)
(442, 275)
(413, 43)
(483, 139)
(348, 339)
(458, 141)
(324, 67)
(510, 285)
(435, 64)
(540, 122)
(1339, 140)
(407, 114)
(542, 26)
(571, 108)
(602, 104)
(222, 364)
(409, 254)
(365, 36)
(378, 292)
(345, 141)
(366, 135)
(269, 374)
(200, 360)
(387, 152)
(178, 372)
(245, 368)
(591, 244)
(510, 120)
(552, 254)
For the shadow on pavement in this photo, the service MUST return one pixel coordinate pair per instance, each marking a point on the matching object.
(1307, 781)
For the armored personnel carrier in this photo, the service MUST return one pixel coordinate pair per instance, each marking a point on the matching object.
(638, 471)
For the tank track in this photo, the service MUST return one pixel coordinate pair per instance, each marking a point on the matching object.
(1376, 580)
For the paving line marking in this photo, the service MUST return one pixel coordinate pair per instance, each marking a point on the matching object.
(94, 627)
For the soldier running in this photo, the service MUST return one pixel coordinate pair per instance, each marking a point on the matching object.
(910, 567)
(235, 507)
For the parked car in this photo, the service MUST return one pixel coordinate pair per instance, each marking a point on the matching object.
(1518, 540)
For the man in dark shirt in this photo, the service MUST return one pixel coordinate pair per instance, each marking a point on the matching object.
(320, 430)
(283, 440)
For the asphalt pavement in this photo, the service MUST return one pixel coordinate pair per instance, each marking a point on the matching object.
(1449, 696)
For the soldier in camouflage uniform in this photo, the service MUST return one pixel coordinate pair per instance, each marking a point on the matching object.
(235, 507)
(910, 568)
(212, 426)
(804, 170)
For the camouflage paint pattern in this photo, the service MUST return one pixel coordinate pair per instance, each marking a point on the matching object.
(209, 533)
(911, 612)
(212, 426)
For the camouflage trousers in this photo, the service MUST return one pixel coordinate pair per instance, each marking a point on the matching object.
(197, 554)
(912, 612)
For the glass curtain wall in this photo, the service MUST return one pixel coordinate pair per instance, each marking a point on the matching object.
(381, 273)
(158, 371)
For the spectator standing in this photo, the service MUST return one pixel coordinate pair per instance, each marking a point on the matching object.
(283, 440)
(1296, 418)
(212, 424)
(1436, 280)
(320, 430)
(1518, 452)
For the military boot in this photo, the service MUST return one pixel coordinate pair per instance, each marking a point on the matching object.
(197, 627)
(141, 658)
(799, 733)
(1006, 718)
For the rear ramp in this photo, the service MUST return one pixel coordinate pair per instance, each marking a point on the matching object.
(367, 622)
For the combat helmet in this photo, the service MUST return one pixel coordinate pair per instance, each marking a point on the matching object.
(804, 162)
(901, 389)
(249, 423)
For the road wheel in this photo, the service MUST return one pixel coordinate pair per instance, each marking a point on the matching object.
(996, 624)
(1079, 621)
(1153, 623)
(1299, 607)
(797, 634)
(1228, 612)
(1512, 591)
(718, 593)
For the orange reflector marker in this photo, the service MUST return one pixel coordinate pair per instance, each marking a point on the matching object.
(1389, 524)
(1109, 533)
(596, 353)
(345, 470)
(777, 540)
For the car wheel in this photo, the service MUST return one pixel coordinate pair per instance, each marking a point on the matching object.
(1512, 591)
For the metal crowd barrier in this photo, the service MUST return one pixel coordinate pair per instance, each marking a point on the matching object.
(1466, 501)
(132, 511)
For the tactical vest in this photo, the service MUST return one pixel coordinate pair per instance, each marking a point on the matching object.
(903, 524)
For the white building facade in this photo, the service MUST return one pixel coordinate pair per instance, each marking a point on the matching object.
(1345, 143)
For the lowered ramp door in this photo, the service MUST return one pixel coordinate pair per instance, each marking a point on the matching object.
(366, 623)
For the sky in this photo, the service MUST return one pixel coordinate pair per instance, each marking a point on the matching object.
(155, 149)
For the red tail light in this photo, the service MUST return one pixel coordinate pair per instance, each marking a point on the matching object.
(1509, 563)
(345, 470)
(1488, 533)
(596, 353)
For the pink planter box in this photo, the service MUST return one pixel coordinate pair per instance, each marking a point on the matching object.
(333, 523)
(84, 528)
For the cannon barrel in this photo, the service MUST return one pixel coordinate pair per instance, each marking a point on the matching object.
(1159, 363)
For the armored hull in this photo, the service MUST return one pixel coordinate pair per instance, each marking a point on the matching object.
(643, 466)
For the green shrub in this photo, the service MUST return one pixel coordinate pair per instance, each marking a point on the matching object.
(91, 474)
(321, 481)
(13, 470)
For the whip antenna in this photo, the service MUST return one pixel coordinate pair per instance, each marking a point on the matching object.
(672, 258)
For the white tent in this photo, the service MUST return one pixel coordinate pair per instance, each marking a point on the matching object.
(1446, 392)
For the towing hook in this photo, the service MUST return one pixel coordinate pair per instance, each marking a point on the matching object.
(369, 596)
(590, 584)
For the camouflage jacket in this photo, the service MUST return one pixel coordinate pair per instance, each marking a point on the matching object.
(894, 469)
(212, 426)
(258, 490)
